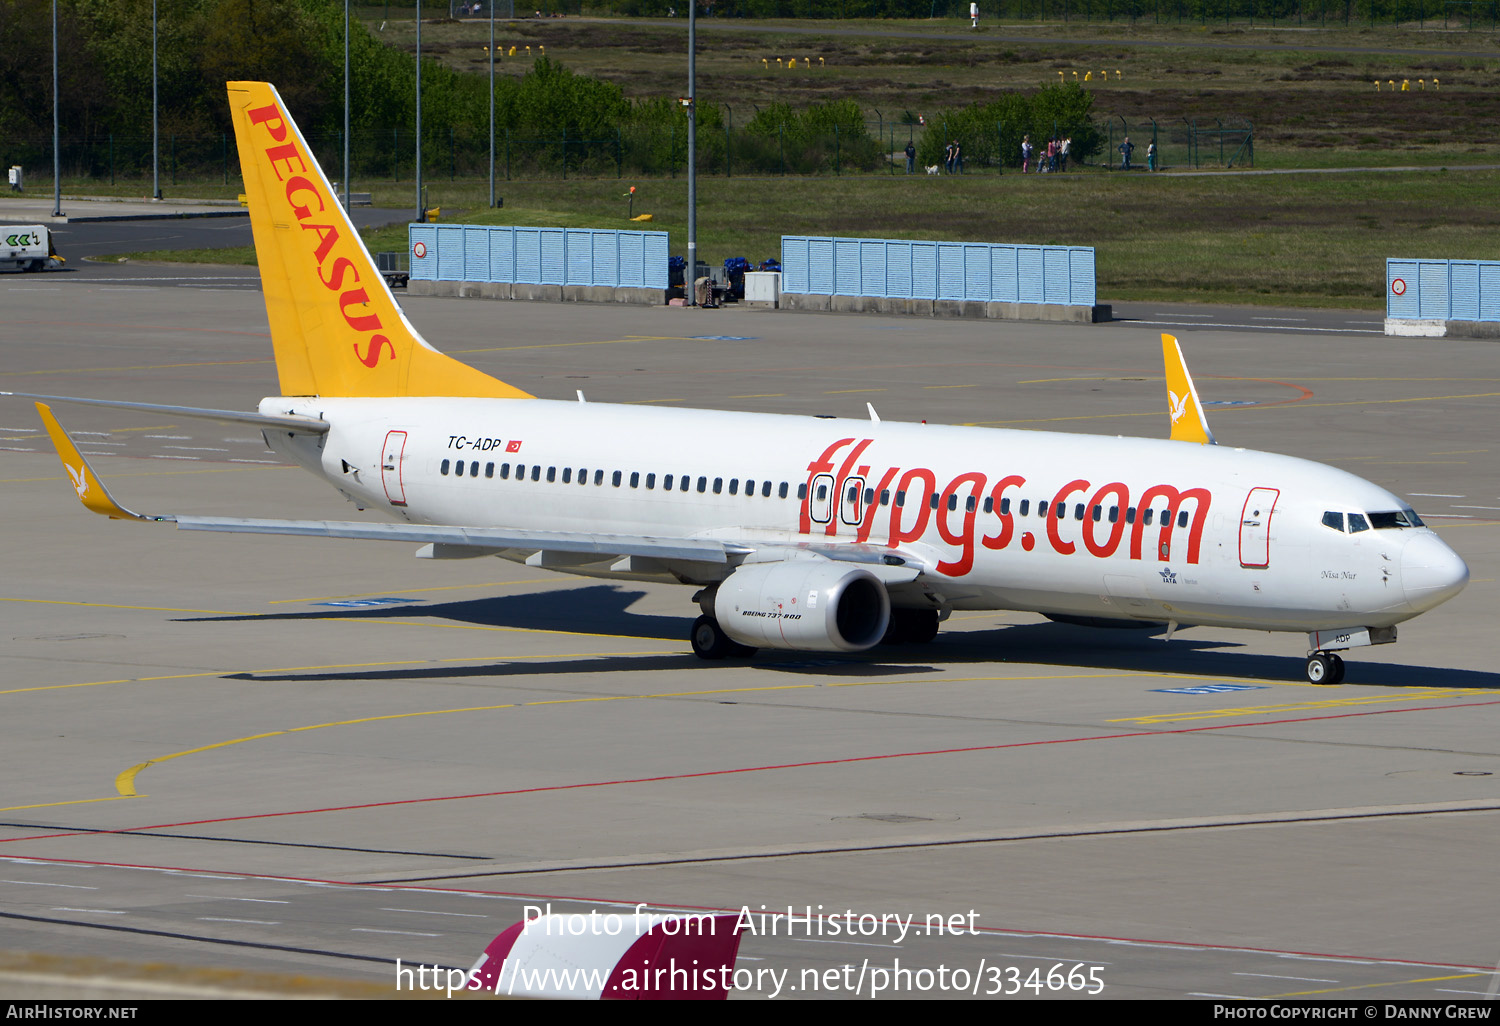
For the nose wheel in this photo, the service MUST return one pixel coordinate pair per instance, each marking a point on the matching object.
(1325, 668)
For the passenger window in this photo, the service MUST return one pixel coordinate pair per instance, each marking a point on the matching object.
(1146, 517)
(1041, 509)
(536, 471)
(650, 481)
(458, 468)
(900, 499)
(1098, 513)
(666, 483)
(765, 489)
(598, 477)
(635, 479)
(734, 486)
(801, 491)
(932, 500)
(1060, 510)
(1182, 518)
(869, 496)
(567, 475)
(1023, 508)
(1078, 511)
(781, 492)
(1334, 520)
(504, 471)
(687, 482)
(1114, 514)
(583, 476)
(702, 485)
(1004, 506)
(953, 501)
(474, 469)
(749, 487)
(885, 496)
(489, 470)
(551, 475)
(1130, 514)
(615, 478)
(822, 492)
(1357, 523)
(969, 504)
(718, 486)
(443, 469)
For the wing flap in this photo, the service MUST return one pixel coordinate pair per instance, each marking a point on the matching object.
(492, 538)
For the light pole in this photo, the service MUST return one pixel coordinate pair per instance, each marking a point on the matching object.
(56, 158)
(492, 103)
(155, 126)
(692, 134)
(421, 214)
(346, 104)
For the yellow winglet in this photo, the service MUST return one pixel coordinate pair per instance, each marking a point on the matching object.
(91, 491)
(1188, 422)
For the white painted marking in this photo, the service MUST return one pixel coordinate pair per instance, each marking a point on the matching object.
(1158, 313)
(271, 462)
(1265, 327)
(1438, 495)
(195, 448)
(14, 448)
(1461, 505)
(401, 933)
(42, 883)
(1299, 320)
(225, 897)
(1273, 976)
(1231, 997)
(253, 922)
(165, 456)
(183, 438)
(101, 434)
(1445, 990)
(429, 912)
(1051, 958)
(99, 911)
(205, 876)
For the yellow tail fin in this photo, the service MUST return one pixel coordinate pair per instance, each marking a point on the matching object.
(335, 326)
(1188, 422)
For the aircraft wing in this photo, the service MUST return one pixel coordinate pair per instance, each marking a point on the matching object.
(455, 541)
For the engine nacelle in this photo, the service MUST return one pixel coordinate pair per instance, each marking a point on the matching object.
(810, 605)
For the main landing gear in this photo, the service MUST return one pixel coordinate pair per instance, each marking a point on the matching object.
(710, 642)
(1325, 668)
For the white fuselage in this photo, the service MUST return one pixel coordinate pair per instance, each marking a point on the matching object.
(1150, 530)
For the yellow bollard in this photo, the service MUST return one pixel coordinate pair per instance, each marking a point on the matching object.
(528, 49)
(1406, 85)
(766, 63)
(1434, 83)
(1075, 76)
(1392, 83)
(1088, 76)
(512, 52)
(806, 62)
(1377, 85)
(1117, 74)
(1422, 84)
(821, 62)
(1060, 78)
(542, 48)
(778, 62)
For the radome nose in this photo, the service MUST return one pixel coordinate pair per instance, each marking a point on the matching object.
(1431, 572)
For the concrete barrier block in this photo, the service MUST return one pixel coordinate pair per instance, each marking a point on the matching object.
(495, 290)
(539, 293)
(1472, 329)
(1416, 327)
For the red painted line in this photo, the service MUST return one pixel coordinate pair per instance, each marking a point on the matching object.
(995, 930)
(743, 769)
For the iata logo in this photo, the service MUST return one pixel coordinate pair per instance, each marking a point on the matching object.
(1168, 576)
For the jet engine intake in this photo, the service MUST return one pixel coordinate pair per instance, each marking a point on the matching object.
(808, 605)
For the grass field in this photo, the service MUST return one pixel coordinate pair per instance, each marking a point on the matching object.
(1281, 239)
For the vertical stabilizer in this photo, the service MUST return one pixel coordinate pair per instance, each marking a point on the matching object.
(335, 326)
(1188, 422)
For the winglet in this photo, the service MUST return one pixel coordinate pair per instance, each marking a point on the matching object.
(1188, 422)
(91, 491)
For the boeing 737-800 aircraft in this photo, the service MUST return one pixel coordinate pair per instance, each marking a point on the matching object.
(812, 534)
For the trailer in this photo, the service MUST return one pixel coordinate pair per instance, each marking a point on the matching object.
(28, 247)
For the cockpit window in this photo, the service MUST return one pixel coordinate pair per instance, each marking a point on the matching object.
(1334, 520)
(1398, 518)
(1358, 523)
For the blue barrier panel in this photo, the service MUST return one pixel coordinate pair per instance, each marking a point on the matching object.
(538, 256)
(973, 271)
(1445, 290)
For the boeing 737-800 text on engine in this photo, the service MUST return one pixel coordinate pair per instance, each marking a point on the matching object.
(813, 534)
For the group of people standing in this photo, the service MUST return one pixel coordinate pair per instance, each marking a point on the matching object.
(1054, 156)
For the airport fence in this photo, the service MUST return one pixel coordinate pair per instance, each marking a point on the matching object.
(874, 147)
(1418, 14)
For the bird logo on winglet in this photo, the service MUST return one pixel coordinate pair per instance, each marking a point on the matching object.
(80, 480)
(1179, 404)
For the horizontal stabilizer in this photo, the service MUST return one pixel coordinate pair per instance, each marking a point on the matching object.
(307, 425)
